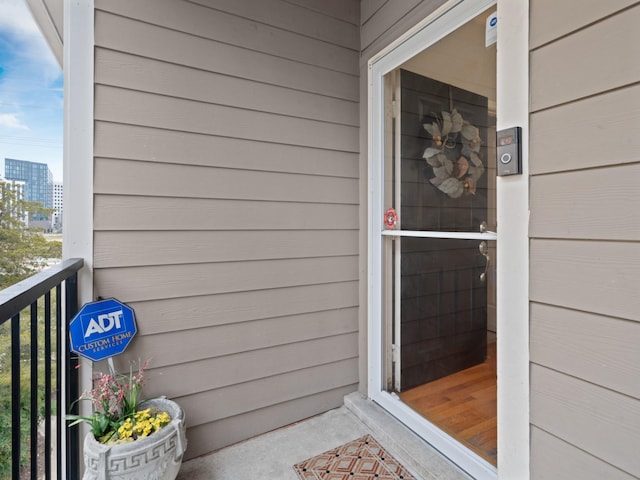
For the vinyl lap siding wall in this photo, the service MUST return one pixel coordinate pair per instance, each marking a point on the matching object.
(383, 21)
(226, 203)
(585, 239)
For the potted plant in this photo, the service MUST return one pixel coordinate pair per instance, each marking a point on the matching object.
(130, 438)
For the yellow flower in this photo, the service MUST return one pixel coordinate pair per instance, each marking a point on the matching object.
(126, 429)
(141, 425)
(142, 414)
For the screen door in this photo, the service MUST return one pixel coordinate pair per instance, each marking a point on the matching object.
(437, 250)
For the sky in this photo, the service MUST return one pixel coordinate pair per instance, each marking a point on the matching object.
(31, 92)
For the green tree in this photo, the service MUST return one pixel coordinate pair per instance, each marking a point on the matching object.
(23, 250)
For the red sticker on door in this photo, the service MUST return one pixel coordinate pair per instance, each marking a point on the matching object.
(390, 218)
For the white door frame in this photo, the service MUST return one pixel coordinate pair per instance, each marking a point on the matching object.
(512, 246)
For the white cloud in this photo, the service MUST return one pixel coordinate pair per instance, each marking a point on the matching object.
(10, 120)
(16, 21)
(16, 18)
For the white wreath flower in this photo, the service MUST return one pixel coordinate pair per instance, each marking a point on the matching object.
(454, 176)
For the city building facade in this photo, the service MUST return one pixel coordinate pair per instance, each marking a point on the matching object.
(15, 189)
(56, 219)
(38, 186)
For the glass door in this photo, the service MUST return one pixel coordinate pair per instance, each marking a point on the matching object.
(438, 241)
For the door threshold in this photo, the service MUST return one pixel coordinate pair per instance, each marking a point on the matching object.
(410, 447)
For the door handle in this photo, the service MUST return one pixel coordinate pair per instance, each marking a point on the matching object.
(484, 250)
(484, 228)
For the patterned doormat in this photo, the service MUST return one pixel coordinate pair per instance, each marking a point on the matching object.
(361, 459)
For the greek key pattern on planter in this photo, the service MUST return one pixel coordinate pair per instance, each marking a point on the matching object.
(147, 456)
(122, 464)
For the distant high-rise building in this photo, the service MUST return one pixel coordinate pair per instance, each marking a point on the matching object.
(38, 185)
(57, 206)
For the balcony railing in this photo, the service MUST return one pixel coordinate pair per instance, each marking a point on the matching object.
(34, 328)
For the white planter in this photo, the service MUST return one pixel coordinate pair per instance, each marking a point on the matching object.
(156, 457)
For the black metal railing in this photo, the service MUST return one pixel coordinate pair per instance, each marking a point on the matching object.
(38, 329)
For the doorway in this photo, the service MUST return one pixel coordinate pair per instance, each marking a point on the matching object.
(437, 243)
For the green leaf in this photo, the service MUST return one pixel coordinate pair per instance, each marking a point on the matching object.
(77, 419)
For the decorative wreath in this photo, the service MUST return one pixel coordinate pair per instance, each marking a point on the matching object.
(456, 171)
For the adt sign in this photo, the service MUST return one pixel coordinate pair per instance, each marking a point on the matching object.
(102, 329)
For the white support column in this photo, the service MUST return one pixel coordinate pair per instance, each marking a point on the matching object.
(77, 240)
(78, 139)
(513, 246)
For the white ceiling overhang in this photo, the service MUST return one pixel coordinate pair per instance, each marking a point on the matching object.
(48, 14)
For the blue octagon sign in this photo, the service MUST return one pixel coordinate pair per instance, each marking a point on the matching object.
(102, 329)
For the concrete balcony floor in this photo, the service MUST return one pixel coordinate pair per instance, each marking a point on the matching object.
(272, 455)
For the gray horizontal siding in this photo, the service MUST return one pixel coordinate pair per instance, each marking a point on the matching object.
(561, 460)
(241, 397)
(186, 148)
(601, 350)
(237, 428)
(226, 203)
(368, 8)
(578, 205)
(594, 419)
(385, 17)
(172, 46)
(585, 242)
(592, 276)
(154, 76)
(123, 177)
(582, 63)
(570, 137)
(344, 11)
(117, 249)
(145, 109)
(171, 281)
(281, 32)
(128, 212)
(252, 365)
(236, 307)
(288, 16)
(229, 339)
(568, 17)
(384, 21)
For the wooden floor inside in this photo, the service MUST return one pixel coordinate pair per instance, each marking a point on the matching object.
(464, 405)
